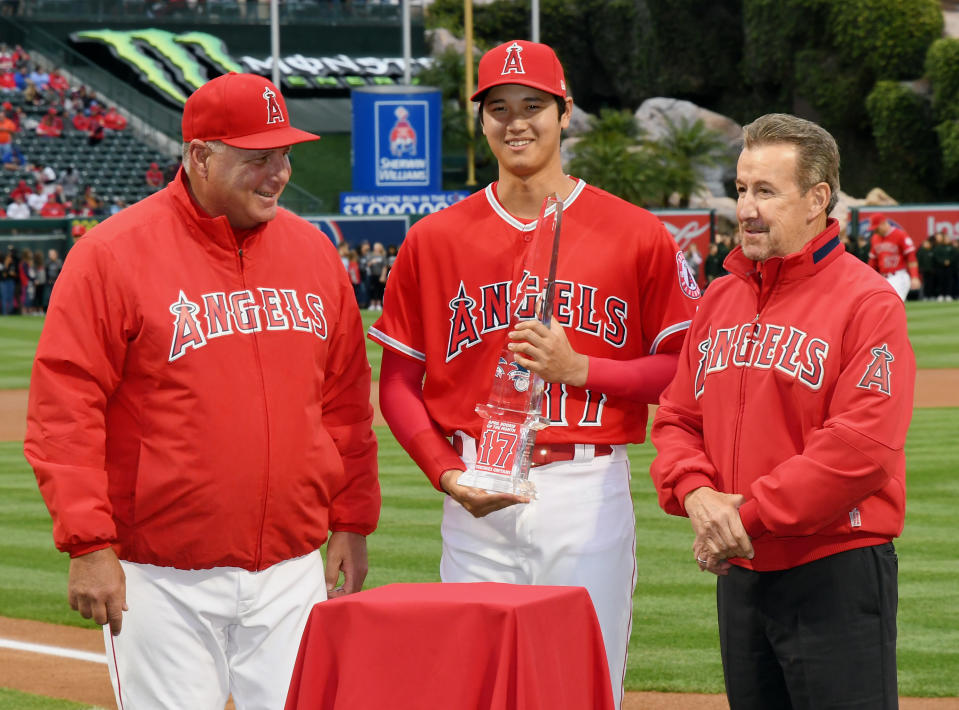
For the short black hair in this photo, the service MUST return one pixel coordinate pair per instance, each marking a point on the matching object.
(560, 104)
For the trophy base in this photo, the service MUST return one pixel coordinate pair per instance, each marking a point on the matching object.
(497, 483)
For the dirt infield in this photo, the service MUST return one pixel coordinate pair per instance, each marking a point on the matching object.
(88, 682)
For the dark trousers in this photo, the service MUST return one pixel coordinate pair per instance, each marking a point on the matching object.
(821, 636)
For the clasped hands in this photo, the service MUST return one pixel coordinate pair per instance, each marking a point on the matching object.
(719, 530)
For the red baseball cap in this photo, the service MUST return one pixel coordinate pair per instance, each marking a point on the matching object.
(242, 110)
(876, 219)
(524, 63)
(78, 230)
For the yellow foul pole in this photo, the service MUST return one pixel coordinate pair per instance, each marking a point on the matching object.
(470, 124)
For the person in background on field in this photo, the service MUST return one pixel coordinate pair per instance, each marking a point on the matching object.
(52, 267)
(893, 254)
(199, 423)
(782, 439)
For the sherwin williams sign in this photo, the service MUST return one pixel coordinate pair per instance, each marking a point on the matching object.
(396, 139)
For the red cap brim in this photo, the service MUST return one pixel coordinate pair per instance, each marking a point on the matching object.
(274, 138)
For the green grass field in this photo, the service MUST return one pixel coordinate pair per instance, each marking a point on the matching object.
(674, 644)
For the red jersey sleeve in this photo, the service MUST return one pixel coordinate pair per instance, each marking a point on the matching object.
(78, 365)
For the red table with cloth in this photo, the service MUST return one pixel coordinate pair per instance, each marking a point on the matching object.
(479, 646)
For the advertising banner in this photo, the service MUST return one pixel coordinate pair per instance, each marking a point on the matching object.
(690, 227)
(919, 221)
(396, 139)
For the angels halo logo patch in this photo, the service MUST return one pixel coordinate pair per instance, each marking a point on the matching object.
(687, 280)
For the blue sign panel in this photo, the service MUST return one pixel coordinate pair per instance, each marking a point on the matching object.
(396, 139)
(358, 203)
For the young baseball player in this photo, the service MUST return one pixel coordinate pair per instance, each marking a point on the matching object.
(781, 438)
(198, 421)
(893, 254)
(624, 298)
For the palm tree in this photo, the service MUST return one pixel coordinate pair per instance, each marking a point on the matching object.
(686, 148)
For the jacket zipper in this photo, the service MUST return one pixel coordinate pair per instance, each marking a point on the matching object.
(760, 305)
(258, 555)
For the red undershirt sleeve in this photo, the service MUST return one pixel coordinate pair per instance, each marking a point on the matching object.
(403, 407)
(642, 379)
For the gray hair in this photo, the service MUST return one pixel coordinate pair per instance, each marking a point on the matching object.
(817, 153)
(214, 146)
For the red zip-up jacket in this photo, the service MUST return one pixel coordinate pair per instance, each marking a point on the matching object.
(197, 404)
(794, 389)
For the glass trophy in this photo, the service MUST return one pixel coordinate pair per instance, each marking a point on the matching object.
(513, 412)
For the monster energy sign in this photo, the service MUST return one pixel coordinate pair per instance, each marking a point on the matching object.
(174, 65)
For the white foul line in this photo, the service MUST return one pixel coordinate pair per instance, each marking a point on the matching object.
(53, 651)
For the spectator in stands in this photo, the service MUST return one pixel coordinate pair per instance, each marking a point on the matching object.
(6, 57)
(36, 199)
(11, 157)
(119, 204)
(81, 122)
(24, 121)
(39, 78)
(113, 121)
(7, 128)
(95, 135)
(21, 59)
(21, 190)
(31, 94)
(8, 281)
(18, 209)
(8, 82)
(171, 169)
(50, 125)
(53, 266)
(91, 205)
(154, 177)
(71, 183)
(58, 83)
(78, 231)
(53, 208)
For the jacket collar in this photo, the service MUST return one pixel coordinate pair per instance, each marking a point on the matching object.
(818, 253)
(201, 225)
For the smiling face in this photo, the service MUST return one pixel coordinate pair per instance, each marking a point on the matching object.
(522, 126)
(775, 217)
(244, 185)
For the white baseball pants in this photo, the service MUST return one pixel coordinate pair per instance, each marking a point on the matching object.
(900, 281)
(579, 531)
(193, 637)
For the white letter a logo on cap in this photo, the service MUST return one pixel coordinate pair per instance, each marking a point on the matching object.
(514, 60)
(273, 112)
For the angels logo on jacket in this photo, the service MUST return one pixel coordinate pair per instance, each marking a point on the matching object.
(687, 279)
(513, 64)
(763, 346)
(877, 373)
(242, 312)
(274, 114)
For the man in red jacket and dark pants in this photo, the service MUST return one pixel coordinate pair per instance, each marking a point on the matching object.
(781, 438)
(199, 422)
